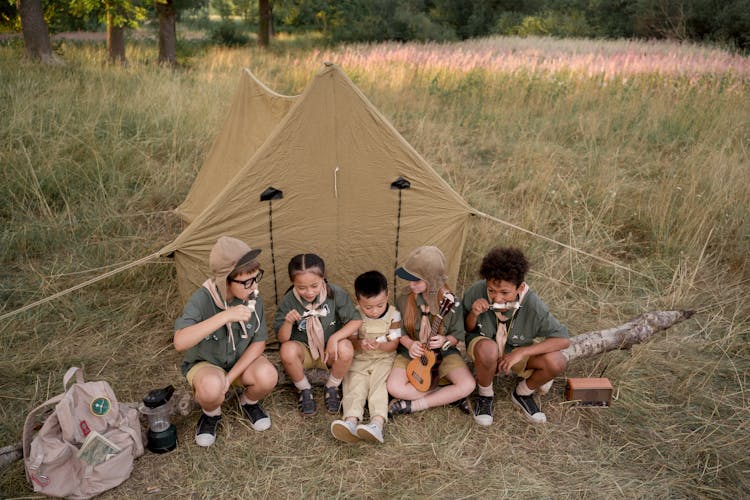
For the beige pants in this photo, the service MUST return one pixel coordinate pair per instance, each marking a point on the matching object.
(365, 382)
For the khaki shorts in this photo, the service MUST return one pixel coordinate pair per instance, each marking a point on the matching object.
(202, 364)
(309, 362)
(449, 363)
(519, 368)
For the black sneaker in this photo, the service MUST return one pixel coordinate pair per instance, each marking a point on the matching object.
(307, 403)
(528, 407)
(483, 410)
(205, 433)
(333, 399)
(259, 419)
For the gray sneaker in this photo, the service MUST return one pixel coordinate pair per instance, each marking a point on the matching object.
(370, 432)
(344, 431)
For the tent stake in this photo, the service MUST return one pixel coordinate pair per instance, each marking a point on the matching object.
(400, 184)
(270, 194)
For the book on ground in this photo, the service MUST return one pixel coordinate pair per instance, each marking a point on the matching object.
(97, 449)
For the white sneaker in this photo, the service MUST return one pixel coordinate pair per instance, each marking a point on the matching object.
(370, 432)
(345, 431)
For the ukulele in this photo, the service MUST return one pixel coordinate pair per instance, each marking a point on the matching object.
(422, 372)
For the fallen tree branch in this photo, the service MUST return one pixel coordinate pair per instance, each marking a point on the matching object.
(636, 331)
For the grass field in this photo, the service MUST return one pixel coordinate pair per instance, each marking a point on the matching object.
(635, 152)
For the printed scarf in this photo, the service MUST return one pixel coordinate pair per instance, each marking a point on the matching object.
(315, 335)
(501, 335)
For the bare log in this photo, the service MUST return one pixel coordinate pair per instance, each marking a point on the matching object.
(636, 331)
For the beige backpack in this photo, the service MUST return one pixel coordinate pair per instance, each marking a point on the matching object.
(88, 443)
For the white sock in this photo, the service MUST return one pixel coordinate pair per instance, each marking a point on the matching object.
(333, 381)
(303, 384)
(487, 392)
(419, 405)
(523, 390)
(213, 413)
(244, 400)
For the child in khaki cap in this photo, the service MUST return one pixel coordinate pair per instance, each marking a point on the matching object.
(222, 331)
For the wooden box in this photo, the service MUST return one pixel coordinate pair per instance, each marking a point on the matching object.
(589, 391)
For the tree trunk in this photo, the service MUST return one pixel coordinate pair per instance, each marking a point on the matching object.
(264, 20)
(35, 34)
(167, 32)
(636, 331)
(115, 40)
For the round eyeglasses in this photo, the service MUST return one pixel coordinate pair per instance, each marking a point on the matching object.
(248, 283)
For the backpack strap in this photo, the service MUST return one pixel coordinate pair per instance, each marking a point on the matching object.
(73, 370)
(30, 422)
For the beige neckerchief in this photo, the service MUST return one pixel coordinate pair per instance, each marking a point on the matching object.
(501, 335)
(210, 285)
(315, 335)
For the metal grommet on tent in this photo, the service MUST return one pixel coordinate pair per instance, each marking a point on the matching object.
(270, 194)
(400, 184)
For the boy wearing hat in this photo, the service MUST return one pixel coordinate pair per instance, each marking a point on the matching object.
(503, 319)
(222, 332)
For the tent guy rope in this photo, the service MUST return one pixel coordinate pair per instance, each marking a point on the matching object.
(86, 283)
(564, 245)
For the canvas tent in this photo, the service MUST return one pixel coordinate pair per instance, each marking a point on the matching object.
(334, 157)
(253, 114)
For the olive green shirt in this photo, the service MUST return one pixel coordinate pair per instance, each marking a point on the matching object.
(217, 348)
(532, 320)
(341, 311)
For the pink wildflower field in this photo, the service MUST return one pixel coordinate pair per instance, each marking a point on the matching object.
(594, 58)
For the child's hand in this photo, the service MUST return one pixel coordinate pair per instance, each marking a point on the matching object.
(293, 316)
(416, 350)
(508, 360)
(332, 351)
(227, 384)
(437, 341)
(479, 306)
(238, 313)
(368, 345)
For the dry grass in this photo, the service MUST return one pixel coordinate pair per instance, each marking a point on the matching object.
(648, 169)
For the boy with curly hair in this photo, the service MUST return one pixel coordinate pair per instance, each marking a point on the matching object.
(503, 318)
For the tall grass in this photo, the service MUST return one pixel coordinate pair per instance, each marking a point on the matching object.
(643, 164)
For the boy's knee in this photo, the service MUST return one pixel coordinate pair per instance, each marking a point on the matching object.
(486, 353)
(209, 390)
(556, 363)
(269, 376)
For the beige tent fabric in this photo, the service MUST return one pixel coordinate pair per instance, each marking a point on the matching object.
(334, 156)
(254, 113)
